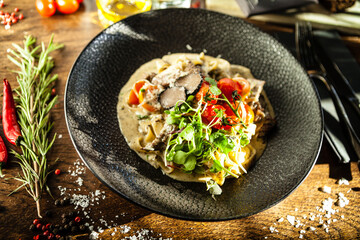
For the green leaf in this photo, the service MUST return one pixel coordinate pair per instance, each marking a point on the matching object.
(244, 140)
(183, 123)
(213, 86)
(212, 81)
(224, 143)
(190, 98)
(180, 157)
(215, 90)
(187, 133)
(216, 167)
(172, 120)
(190, 163)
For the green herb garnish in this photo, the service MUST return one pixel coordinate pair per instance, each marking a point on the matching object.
(34, 102)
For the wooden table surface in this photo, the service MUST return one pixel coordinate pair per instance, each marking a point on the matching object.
(105, 209)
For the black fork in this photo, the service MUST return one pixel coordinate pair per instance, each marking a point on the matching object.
(308, 57)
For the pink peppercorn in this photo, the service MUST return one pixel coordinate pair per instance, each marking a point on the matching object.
(39, 226)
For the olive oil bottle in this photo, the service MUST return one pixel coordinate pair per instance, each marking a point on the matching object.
(111, 11)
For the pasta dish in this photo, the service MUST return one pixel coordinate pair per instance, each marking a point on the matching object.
(198, 118)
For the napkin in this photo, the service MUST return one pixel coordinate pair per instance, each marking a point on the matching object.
(252, 7)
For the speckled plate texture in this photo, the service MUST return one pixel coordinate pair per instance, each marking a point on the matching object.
(111, 57)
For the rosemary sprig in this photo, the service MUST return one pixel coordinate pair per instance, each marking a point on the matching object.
(34, 102)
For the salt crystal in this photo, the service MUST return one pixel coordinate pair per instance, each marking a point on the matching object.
(342, 201)
(272, 229)
(60, 136)
(291, 219)
(327, 207)
(94, 235)
(342, 181)
(312, 228)
(125, 229)
(280, 220)
(188, 47)
(325, 189)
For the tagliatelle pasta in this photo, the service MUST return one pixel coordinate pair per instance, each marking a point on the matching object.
(196, 117)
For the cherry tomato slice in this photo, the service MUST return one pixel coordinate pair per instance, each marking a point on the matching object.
(45, 8)
(249, 114)
(142, 93)
(209, 115)
(244, 85)
(133, 98)
(228, 86)
(204, 89)
(67, 6)
(245, 112)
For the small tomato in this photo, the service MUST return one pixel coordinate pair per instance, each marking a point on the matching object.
(45, 8)
(228, 86)
(212, 114)
(67, 6)
(204, 89)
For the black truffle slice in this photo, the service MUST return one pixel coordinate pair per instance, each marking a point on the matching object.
(171, 96)
(190, 82)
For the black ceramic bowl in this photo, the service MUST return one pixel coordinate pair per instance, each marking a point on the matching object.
(110, 58)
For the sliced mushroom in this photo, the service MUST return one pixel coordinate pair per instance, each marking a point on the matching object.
(171, 96)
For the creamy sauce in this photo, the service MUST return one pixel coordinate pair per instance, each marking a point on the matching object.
(129, 122)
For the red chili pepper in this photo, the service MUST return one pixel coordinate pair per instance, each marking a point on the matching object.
(9, 120)
(3, 155)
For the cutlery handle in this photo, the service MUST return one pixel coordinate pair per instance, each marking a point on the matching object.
(333, 144)
(343, 117)
(354, 101)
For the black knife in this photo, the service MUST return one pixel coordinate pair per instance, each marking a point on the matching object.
(335, 54)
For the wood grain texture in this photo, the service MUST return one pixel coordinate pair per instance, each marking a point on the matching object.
(18, 210)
